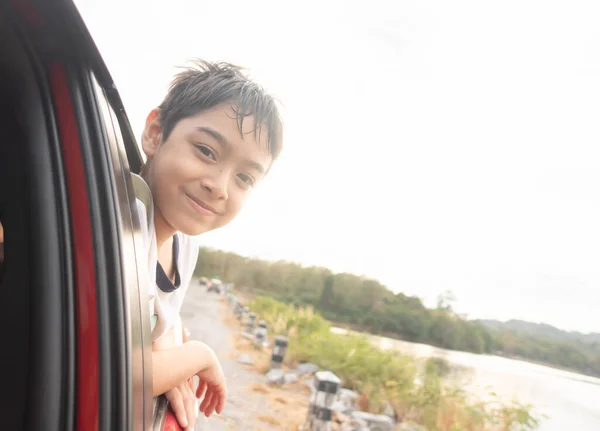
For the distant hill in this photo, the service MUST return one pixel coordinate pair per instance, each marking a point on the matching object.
(541, 330)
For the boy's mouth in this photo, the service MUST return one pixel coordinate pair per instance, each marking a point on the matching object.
(201, 207)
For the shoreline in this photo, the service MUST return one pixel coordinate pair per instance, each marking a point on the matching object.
(575, 374)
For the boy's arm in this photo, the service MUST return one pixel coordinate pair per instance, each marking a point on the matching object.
(174, 366)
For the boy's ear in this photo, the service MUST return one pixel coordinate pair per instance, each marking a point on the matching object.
(152, 136)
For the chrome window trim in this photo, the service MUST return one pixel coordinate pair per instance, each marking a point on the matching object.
(135, 272)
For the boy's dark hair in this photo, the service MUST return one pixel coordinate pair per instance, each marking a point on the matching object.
(206, 85)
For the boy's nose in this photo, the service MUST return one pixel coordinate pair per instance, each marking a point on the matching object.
(217, 187)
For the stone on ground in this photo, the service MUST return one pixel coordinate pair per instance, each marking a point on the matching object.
(245, 359)
(306, 368)
(276, 376)
(290, 378)
(375, 422)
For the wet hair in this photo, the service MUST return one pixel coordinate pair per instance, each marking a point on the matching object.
(205, 85)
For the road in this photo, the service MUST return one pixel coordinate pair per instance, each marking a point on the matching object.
(206, 317)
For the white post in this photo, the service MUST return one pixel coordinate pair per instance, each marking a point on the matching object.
(280, 346)
(251, 321)
(260, 333)
(320, 414)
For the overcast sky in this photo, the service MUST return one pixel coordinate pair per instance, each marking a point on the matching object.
(429, 144)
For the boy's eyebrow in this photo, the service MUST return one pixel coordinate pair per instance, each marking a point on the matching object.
(216, 135)
(225, 143)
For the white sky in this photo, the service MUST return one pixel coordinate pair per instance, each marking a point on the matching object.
(429, 144)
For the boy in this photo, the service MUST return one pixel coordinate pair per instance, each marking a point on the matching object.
(211, 140)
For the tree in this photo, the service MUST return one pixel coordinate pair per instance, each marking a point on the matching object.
(327, 299)
(445, 300)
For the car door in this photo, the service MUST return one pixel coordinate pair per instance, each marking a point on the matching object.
(73, 306)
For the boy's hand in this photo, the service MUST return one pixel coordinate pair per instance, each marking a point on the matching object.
(183, 403)
(212, 386)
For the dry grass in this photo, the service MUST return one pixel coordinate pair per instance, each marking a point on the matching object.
(260, 388)
(287, 404)
(269, 419)
(260, 357)
(229, 317)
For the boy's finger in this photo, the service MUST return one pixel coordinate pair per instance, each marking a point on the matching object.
(178, 407)
(222, 401)
(201, 389)
(206, 401)
(216, 400)
(213, 404)
(207, 412)
(190, 405)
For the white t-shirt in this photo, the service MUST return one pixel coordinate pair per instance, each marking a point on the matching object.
(165, 306)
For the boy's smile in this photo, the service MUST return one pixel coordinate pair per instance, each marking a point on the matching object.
(202, 207)
(201, 174)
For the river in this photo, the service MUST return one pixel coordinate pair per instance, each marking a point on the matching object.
(571, 401)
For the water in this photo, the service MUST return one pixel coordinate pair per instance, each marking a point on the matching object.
(572, 401)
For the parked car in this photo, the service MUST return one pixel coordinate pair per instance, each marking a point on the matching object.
(215, 285)
(76, 353)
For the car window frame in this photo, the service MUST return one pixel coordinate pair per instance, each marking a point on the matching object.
(134, 266)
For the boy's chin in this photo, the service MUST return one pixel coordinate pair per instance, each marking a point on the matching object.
(195, 230)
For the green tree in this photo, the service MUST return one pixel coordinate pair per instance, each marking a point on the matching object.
(327, 299)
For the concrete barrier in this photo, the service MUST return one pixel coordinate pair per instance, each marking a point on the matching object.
(260, 334)
(280, 346)
(250, 322)
(327, 386)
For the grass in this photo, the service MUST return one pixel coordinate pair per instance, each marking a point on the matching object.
(417, 392)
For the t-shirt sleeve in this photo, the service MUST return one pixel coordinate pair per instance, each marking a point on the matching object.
(190, 259)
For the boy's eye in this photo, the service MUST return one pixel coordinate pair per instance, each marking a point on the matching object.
(246, 179)
(207, 152)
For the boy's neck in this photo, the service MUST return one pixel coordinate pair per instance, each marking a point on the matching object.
(163, 230)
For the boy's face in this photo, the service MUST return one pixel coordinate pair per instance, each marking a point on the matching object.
(200, 176)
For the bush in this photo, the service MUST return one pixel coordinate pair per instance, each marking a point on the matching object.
(417, 391)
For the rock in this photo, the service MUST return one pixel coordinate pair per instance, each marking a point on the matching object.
(276, 376)
(389, 411)
(339, 406)
(310, 385)
(347, 399)
(290, 378)
(340, 417)
(352, 424)
(375, 422)
(409, 426)
(245, 359)
(348, 393)
(306, 368)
